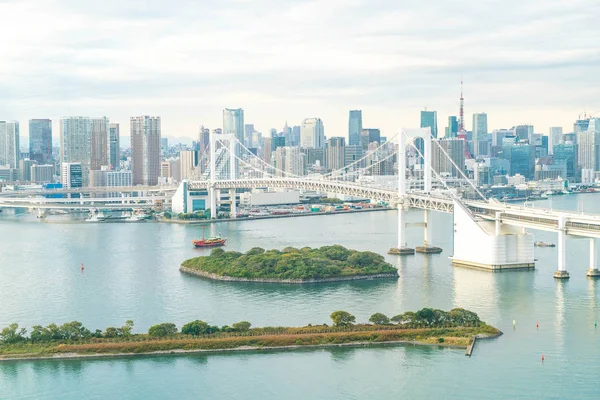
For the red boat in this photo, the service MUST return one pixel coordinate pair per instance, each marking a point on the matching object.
(209, 242)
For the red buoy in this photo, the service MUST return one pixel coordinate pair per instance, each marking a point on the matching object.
(542, 358)
(82, 267)
(537, 325)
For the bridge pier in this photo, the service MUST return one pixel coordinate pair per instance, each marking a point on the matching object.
(212, 197)
(593, 272)
(562, 254)
(233, 208)
(427, 248)
(402, 249)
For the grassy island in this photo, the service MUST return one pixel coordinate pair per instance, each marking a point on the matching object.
(291, 265)
(456, 328)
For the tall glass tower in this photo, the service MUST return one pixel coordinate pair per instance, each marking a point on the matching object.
(40, 140)
(354, 127)
(429, 119)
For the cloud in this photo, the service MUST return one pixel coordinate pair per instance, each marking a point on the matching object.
(526, 60)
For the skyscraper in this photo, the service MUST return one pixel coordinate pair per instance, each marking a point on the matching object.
(455, 148)
(145, 149)
(480, 134)
(554, 138)
(99, 143)
(114, 151)
(233, 123)
(354, 127)
(204, 138)
(248, 130)
(75, 136)
(336, 155)
(72, 175)
(524, 132)
(452, 128)
(188, 161)
(312, 134)
(40, 140)
(368, 136)
(588, 146)
(429, 119)
(9, 144)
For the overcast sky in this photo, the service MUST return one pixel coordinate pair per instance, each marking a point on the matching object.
(522, 61)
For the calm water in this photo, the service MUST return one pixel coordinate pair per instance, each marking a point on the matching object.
(132, 273)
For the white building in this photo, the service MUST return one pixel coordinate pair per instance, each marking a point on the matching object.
(516, 180)
(9, 144)
(233, 123)
(71, 175)
(312, 133)
(42, 173)
(480, 133)
(75, 144)
(555, 136)
(145, 149)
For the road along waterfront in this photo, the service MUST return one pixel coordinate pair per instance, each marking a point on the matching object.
(132, 273)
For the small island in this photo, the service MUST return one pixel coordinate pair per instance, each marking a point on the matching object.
(291, 265)
(456, 328)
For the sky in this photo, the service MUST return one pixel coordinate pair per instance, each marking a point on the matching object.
(522, 61)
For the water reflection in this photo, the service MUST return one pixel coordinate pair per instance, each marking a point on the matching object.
(559, 319)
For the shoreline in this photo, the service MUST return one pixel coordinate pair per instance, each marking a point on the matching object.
(208, 275)
(179, 352)
(307, 214)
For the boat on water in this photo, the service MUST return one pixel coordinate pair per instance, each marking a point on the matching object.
(135, 218)
(97, 217)
(544, 244)
(215, 241)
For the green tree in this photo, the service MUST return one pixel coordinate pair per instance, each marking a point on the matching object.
(342, 318)
(195, 328)
(111, 332)
(407, 318)
(254, 251)
(12, 334)
(242, 326)
(425, 316)
(379, 319)
(161, 330)
(125, 330)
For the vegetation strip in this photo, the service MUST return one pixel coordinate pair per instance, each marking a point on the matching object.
(291, 265)
(427, 326)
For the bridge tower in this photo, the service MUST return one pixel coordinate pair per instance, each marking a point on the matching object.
(226, 142)
(403, 137)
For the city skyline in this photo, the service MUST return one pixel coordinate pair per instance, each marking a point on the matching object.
(523, 72)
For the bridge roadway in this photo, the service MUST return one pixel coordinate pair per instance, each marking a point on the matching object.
(89, 190)
(585, 225)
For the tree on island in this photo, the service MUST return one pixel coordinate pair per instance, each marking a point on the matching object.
(161, 330)
(242, 326)
(379, 319)
(342, 318)
(12, 334)
(195, 328)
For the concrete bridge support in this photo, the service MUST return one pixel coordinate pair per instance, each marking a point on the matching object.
(427, 248)
(212, 197)
(233, 207)
(562, 251)
(593, 272)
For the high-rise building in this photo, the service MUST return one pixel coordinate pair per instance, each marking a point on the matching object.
(114, 147)
(99, 142)
(40, 140)
(188, 161)
(555, 136)
(75, 139)
(295, 135)
(368, 136)
(267, 149)
(581, 125)
(233, 123)
(312, 134)
(145, 149)
(277, 141)
(452, 128)
(204, 139)
(455, 150)
(9, 144)
(248, 130)
(480, 134)
(294, 161)
(524, 132)
(72, 175)
(164, 144)
(25, 169)
(315, 159)
(429, 119)
(588, 146)
(521, 156)
(352, 154)
(566, 153)
(354, 127)
(42, 173)
(336, 153)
